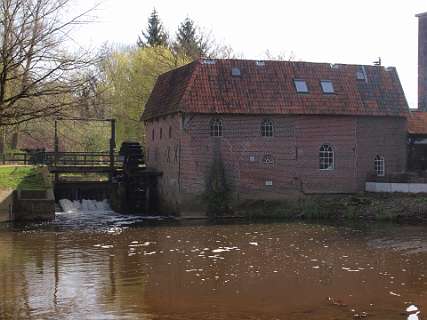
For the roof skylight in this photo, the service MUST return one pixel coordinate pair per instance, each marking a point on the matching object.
(235, 72)
(301, 86)
(361, 73)
(208, 61)
(327, 86)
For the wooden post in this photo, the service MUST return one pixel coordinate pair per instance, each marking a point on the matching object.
(56, 146)
(112, 147)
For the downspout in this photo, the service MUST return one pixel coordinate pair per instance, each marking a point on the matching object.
(181, 129)
(356, 124)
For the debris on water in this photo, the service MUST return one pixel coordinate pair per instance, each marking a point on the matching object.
(360, 315)
(394, 294)
(350, 270)
(253, 243)
(337, 303)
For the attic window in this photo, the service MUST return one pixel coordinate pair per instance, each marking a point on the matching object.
(301, 86)
(260, 63)
(208, 61)
(235, 72)
(327, 86)
(361, 73)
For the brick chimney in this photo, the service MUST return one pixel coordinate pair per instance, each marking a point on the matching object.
(422, 61)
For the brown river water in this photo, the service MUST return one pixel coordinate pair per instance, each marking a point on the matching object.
(105, 266)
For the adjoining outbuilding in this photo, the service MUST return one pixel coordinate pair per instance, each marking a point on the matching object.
(280, 128)
(417, 140)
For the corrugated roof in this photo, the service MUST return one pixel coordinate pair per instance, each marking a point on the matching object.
(417, 122)
(269, 89)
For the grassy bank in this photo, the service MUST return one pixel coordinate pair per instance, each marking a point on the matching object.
(380, 207)
(22, 177)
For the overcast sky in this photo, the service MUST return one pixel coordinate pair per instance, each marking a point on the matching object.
(335, 31)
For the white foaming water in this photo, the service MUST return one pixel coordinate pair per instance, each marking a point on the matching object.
(95, 215)
(84, 205)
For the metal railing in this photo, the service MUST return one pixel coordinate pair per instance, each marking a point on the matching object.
(61, 158)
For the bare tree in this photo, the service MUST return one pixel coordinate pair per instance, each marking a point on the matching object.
(38, 77)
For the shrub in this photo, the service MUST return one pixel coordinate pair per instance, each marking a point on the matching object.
(218, 191)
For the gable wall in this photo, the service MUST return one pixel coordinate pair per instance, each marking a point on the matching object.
(164, 155)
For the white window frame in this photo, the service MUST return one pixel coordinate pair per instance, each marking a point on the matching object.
(267, 128)
(326, 157)
(379, 166)
(216, 128)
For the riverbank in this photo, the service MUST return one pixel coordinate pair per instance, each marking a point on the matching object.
(26, 194)
(23, 177)
(367, 206)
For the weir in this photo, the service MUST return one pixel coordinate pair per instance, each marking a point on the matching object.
(130, 188)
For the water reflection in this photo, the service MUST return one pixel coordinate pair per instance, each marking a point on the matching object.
(116, 268)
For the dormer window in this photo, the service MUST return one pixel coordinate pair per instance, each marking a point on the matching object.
(208, 61)
(301, 86)
(327, 86)
(235, 72)
(361, 73)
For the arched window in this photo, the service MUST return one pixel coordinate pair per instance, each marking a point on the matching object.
(326, 157)
(216, 128)
(267, 128)
(268, 159)
(379, 166)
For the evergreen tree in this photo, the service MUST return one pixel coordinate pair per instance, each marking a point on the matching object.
(187, 40)
(155, 34)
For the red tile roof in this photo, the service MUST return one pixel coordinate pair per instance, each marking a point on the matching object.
(417, 122)
(207, 86)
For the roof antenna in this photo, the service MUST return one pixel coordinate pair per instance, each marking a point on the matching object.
(378, 62)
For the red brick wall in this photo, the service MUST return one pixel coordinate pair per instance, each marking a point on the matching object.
(294, 148)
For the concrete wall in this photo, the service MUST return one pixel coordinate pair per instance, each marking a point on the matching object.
(294, 148)
(384, 187)
(34, 208)
(6, 205)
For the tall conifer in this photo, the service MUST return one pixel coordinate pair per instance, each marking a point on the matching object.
(187, 40)
(155, 34)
